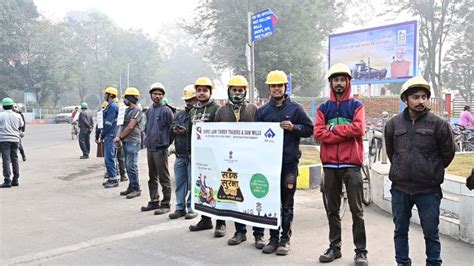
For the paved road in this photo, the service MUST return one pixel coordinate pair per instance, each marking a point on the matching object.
(60, 214)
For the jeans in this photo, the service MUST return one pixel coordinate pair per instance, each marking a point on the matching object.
(158, 172)
(109, 158)
(130, 150)
(352, 179)
(241, 228)
(182, 173)
(120, 161)
(85, 142)
(10, 155)
(288, 172)
(428, 211)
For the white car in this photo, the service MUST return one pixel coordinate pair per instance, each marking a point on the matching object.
(65, 116)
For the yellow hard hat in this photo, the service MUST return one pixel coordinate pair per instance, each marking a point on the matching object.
(132, 91)
(203, 81)
(276, 77)
(104, 105)
(339, 68)
(189, 92)
(238, 81)
(157, 86)
(415, 82)
(111, 90)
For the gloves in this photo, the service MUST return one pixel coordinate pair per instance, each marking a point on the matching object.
(470, 181)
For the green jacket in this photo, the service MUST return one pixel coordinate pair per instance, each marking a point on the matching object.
(204, 113)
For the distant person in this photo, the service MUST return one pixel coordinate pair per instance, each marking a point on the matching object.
(16, 109)
(74, 114)
(400, 67)
(420, 146)
(86, 124)
(465, 118)
(10, 124)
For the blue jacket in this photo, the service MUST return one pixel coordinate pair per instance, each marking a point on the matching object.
(158, 128)
(302, 126)
(110, 114)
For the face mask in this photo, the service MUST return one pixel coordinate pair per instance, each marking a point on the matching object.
(236, 98)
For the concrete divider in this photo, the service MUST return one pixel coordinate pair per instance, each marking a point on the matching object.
(309, 176)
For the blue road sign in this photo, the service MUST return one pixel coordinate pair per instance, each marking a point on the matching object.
(289, 89)
(263, 24)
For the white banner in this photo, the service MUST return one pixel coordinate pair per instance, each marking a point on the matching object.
(100, 119)
(235, 169)
(121, 114)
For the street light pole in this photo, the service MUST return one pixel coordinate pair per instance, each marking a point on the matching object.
(128, 73)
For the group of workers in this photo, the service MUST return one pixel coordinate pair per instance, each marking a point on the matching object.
(419, 145)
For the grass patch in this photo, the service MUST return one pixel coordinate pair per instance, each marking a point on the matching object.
(461, 165)
(310, 155)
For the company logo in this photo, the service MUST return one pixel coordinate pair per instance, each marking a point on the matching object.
(198, 133)
(230, 155)
(269, 134)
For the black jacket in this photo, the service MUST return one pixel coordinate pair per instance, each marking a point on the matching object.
(180, 141)
(419, 151)
(302, 126)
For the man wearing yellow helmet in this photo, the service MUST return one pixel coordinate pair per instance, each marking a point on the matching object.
(129, 139)
(158, 139)
(238, 110)
(204, 111)
(420, 146)
(86, 124)
(182, 164)
(108, 133)
(339, 127)
(296, 125)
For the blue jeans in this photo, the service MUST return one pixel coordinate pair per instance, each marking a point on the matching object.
(130, 150)
(182, 173)
(109, 158)
(428, 210)
(241, 228)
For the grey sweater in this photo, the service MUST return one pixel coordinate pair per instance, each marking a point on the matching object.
(10, 124)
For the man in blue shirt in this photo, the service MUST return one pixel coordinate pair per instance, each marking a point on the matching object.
(108, 133)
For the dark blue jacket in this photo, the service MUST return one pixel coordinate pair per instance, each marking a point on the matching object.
(110, 114)
(158, 127)
(302, 126)
(181, 118)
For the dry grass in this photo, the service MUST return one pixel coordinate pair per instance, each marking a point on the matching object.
(310, 155)
(462, 165)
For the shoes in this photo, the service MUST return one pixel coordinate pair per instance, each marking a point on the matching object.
(408, 263)
(190, 215)
(237, 239)
(283, 247)
(126, 192)
(271, 246)
(108, 181)
(6, 184)
(203, 224)
(220, 230)
(162, 210)
(259, 242)
(15, 182)
(177, 214)
(81, 157)
(123, 178)
(360, 259)
(151, 206)
(106, 176)
(134, 194)
(111, 184)
(329, 255)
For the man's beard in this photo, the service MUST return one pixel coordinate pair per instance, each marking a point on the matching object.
(338, 90)
(277, 98)
(416, 109)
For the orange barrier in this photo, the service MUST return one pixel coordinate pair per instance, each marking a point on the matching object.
(39, 121)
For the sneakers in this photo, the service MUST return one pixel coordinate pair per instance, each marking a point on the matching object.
(15, 182)
(329, 255)
(6, 184)
(360, 259)
(134, 194)
(126, 192)
(151, 206)
(162, 210)
(177, 214)
(123, 178)
(271, 246)
(220, 230)
(111, 184)
(84, 157)
(203, 224)
(259, 242)
(190, 215)
(237, 239)
(283, 247)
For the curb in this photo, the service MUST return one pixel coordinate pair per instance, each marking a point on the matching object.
(309, 176)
